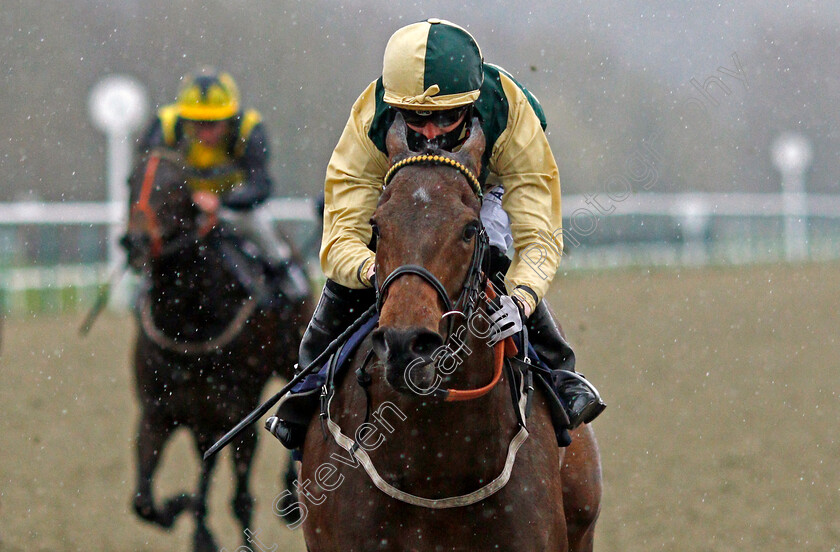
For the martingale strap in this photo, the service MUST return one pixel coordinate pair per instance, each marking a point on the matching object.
(436, 160)
(220, 341)
(355, 450)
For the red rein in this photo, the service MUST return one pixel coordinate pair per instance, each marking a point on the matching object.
(143, 206)
(502, 349)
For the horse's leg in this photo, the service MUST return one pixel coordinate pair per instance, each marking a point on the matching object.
(581, 474)
(290, 515)
(203, 539)
(243, 458)
(152, 435)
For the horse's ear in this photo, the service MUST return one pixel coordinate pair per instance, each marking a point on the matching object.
(396, 142)
(472, 150)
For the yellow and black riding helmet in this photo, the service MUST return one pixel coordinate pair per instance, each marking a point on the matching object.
(208, 95)
(430, 70)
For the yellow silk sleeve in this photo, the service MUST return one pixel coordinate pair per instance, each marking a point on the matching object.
(524, 164)
(351, 192)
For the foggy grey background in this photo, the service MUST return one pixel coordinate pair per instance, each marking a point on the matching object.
(609, 74)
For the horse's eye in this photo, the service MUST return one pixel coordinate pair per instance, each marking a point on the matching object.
(470, 230)
(375, 229)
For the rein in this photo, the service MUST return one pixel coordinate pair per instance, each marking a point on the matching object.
(501, 349)
(160, 248)
(504, 348)
(142, 206)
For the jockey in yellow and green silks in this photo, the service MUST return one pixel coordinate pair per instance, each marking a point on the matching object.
(226, 151)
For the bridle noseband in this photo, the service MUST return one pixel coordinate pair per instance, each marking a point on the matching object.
(470, 291)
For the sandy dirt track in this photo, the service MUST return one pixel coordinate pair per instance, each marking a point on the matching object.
(721, 432)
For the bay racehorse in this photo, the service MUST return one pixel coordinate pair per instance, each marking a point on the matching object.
(205, 347)
(416, 455)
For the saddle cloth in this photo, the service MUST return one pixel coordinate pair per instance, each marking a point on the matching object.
(542, 375)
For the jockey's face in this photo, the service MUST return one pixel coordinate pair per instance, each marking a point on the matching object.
(432, 124)
(209, 133)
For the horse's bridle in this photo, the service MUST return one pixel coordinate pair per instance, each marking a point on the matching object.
(142, 206)
(472, 289)
(473, 282)
(161, 248)
(471, 292)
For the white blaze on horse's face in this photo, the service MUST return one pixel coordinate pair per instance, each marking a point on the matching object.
(422, 195)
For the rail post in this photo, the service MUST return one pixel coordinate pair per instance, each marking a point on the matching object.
(118, 107)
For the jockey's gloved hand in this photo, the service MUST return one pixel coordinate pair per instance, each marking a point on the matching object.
(506, 317)
(207, 202)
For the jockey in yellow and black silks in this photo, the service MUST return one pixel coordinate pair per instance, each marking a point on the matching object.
(435, 76)
(227, 151)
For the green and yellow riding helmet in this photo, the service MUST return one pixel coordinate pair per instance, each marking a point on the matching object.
(433, 70)
(208, 95)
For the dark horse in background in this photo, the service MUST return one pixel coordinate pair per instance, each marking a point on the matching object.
(206, 346)
(402, 469)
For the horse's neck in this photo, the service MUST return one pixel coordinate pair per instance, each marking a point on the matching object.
(194, 287)
(459, 442)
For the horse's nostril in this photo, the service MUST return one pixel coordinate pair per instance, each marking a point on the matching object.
(404, 345)
(425, 343)
(380, 345)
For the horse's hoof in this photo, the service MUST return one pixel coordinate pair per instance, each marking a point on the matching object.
(243, 506)
(203, 540)
(144, 508)
(173, 507)
(289, 515)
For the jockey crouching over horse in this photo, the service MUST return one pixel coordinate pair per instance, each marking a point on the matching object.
(435, 77)
(435, 83)
(217, 319)
(225, 152)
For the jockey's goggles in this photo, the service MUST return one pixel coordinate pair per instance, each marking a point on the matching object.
(206, 124)
(440, 118)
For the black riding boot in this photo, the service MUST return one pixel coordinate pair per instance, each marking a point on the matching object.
(338, 308)
(580, 398)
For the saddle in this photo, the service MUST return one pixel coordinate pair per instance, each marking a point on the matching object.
(269, 284)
